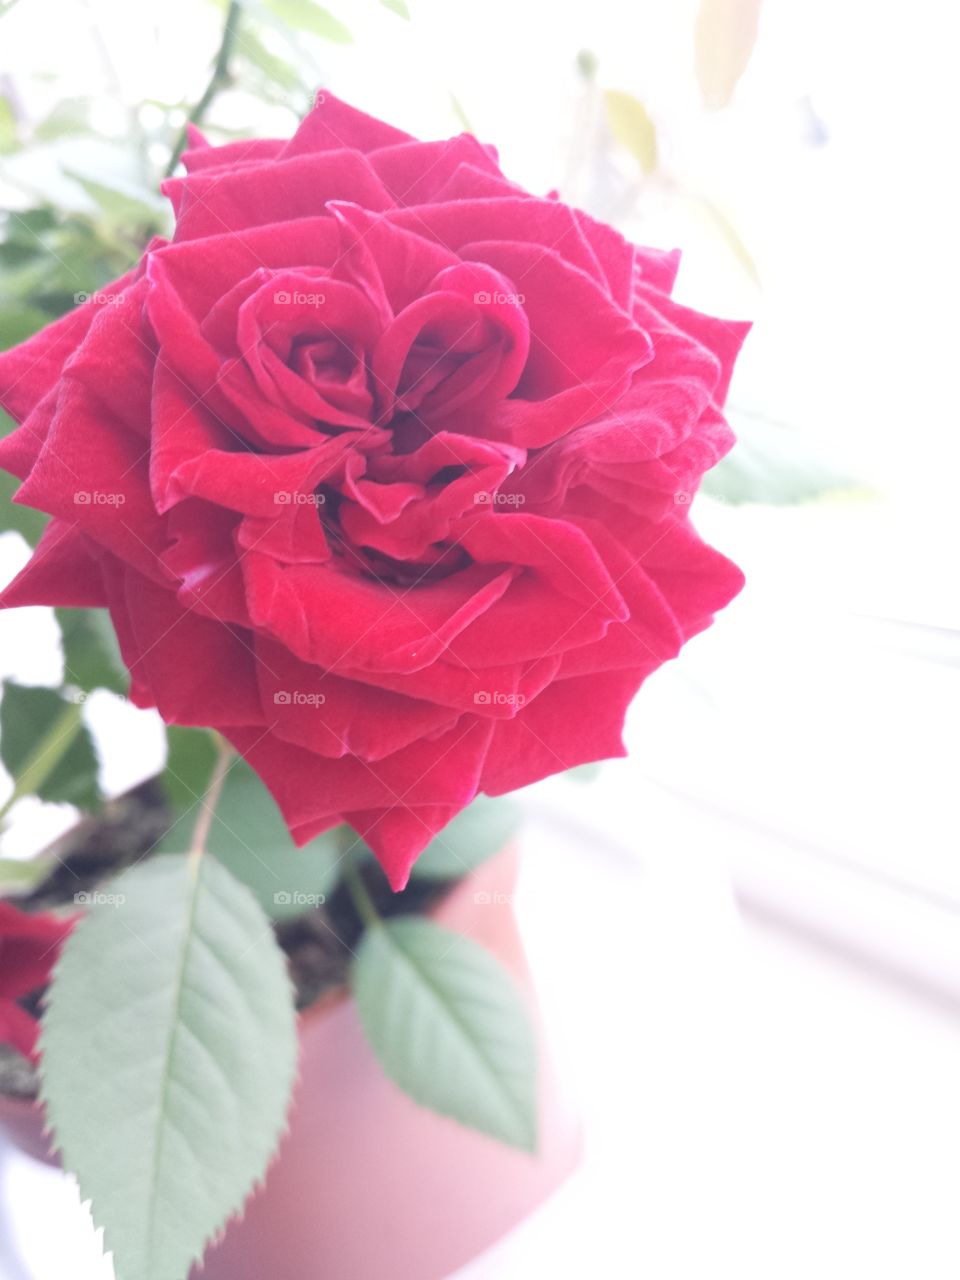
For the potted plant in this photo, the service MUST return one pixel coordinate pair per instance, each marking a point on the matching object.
(375, 481)
(352, 1135)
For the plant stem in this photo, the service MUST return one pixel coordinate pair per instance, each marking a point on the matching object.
(208, 801)
(46, 756)
(366, 910)
(218, 80)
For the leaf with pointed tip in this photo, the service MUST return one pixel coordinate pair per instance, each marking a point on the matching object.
(169, 1048)
(449, 1027)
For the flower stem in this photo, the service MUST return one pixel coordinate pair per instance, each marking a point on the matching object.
(366, 910)
(208, 801)
(218, 80)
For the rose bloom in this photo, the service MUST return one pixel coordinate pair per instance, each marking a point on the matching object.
(29, 946)
(382, 467)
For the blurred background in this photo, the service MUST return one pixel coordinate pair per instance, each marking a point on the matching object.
(748, 934)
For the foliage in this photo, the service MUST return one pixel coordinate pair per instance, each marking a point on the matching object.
(169, 1051)
(449, 1027)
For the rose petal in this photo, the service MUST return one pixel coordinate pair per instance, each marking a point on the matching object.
(333, 716)
(310, 789)
(573, 722)
(341, 621)
(199, 672)
(61, 572)
(333, 125)
(211, 203)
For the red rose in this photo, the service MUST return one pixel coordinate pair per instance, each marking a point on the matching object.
(29, 945)
(381, 467)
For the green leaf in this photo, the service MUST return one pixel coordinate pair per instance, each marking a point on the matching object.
(777, 465)
(33, 221)
(276, 69)
(631, 125)
(91, 655)
(398, 7)
(191, 754)
(28, 523)
(14, 518)
(449, 1026)
(480, 831)
(45, 748)
(250, 837)
(169, 1050)
(307, 16)
(69, 117)
(122, 203)
(18, 322)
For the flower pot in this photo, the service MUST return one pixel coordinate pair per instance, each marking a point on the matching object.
(366, 1183)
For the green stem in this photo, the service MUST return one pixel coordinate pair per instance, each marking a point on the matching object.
(209, 799)
(366, 910)
(46, 756)
(218, 80)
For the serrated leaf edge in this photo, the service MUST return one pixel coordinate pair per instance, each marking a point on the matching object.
(256, 1184)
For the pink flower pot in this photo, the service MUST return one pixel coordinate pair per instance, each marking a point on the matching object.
(367, 1184)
